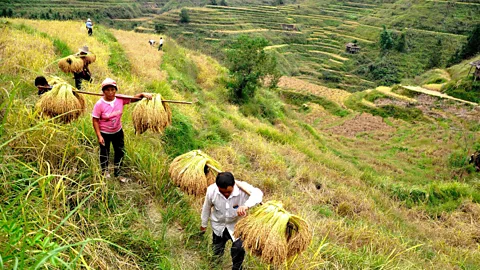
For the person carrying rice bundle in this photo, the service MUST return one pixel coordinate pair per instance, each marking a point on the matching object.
(106, 118)
(225, 203)
(84, 73)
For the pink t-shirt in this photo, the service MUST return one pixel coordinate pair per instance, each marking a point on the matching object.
(110, 114)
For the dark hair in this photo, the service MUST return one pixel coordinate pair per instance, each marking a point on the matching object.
(225, 179)
(40, 80)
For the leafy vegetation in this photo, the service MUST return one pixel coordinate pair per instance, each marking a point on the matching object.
(248, 64)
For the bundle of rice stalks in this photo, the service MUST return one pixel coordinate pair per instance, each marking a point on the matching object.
(273, 234)
(151, 114)
(61, 100)
(192, 173)
(53, 80)
(89, 58)
(71, 63)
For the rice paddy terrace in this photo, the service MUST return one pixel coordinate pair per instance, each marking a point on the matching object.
(313, 48)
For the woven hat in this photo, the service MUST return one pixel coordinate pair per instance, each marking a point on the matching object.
(84, 49)
(88, 20)
(108, 82)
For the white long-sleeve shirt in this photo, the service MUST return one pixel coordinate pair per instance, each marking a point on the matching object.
(222, 211)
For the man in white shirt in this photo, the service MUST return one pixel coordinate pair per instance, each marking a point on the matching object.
(160, 44)
(225, 203)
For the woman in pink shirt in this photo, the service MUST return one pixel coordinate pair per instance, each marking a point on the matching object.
(107, 122)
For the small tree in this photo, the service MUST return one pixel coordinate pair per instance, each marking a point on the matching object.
(469, 49)
(223, 3)
(402, 43)
(436, 55)
(386, 40)
(160, 27)
(184, 18)
(248, 64)
(213, 2)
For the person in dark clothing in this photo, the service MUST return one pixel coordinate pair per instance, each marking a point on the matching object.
(42, 85)
(89, 26)
(85, 73)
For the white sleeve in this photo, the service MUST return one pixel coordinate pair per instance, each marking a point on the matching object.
(256, 195)
(207, 208)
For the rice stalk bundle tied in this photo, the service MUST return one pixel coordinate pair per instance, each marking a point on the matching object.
(273, 234)
(191, 172)
(70, 64)
(151, 114)
(89, 58)
(61, 100)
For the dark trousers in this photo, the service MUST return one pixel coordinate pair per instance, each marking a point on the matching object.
(90, 31)
(237, 251)
(117, 140)
(160, 47)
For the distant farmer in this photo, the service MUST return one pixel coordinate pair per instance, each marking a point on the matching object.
(42, 85)
(89, 26)
(85, 73)
(107, 122)
(152, 42)
(224, 204)
(160, 44)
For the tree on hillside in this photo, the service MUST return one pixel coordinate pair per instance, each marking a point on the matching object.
(436, 55)
(386, 40)
(248, 64)
(401, 43)
(160, 27)
(184, 17)
(223, 3)
(469, 49)
(213, 2)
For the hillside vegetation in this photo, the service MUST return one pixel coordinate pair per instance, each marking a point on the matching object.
(381, 175)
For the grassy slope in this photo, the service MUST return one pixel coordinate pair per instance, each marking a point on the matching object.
(396, 195)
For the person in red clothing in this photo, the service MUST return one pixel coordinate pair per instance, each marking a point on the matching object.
(107, 122)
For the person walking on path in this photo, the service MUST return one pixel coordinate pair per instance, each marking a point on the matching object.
(225, 203)
(107, 122)
(160, 44)
(85, 73)
(89, 26)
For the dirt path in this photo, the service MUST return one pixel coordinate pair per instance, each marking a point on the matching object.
(145, 59)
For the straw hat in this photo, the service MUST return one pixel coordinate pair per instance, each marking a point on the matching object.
(84, 49)
(88, 20)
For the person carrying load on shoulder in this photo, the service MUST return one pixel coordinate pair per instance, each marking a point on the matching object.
(107, 123)
(89, 26)
(225, 203)
(85, 73)
(42, 85)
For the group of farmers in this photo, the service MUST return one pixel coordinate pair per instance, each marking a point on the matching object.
(225, 202)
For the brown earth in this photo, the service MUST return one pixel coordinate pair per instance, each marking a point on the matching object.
(364, 122)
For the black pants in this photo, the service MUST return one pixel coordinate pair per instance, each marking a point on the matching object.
(160, 47)
(117, 140)
(237, 251)
(90, 31)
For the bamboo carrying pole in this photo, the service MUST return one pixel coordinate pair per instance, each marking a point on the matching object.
(120, 96)
(132, 97)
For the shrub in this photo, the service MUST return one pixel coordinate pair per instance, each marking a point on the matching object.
(184, 17)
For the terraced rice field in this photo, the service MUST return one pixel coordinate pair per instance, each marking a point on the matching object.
(315, 47)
